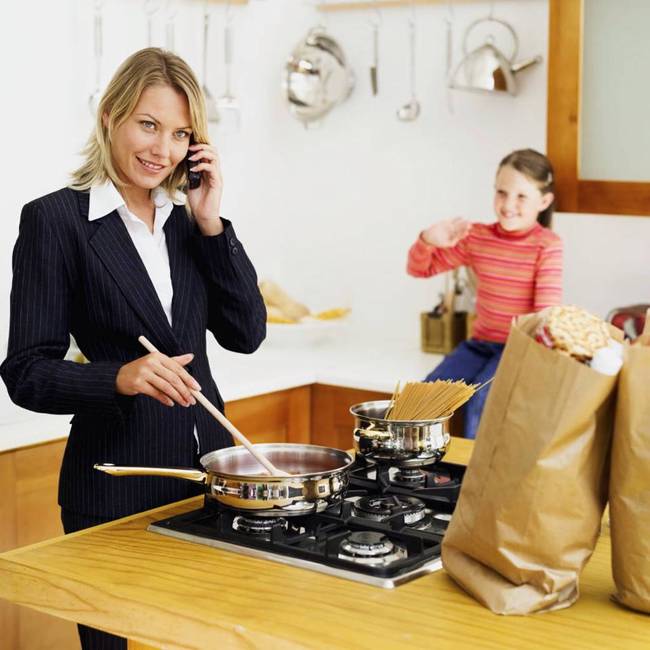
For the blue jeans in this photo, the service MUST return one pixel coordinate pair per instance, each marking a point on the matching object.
(475, 362)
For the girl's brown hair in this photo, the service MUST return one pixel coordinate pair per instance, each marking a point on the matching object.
(148, 67)
(537, 167)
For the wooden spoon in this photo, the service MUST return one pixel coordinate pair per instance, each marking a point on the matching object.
(218, 415)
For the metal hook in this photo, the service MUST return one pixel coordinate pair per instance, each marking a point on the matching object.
(376, 18)
(171, 8)
(229, 17)
(152, 6)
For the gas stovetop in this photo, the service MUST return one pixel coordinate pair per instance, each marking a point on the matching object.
(386, 531)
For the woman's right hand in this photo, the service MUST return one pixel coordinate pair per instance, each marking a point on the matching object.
(159, 376)
(447, 233)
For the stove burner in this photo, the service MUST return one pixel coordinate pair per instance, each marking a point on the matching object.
(384, 508)
(258, 526)
(371, 548)
(410, 477)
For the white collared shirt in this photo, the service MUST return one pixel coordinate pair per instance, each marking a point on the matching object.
(151, 246)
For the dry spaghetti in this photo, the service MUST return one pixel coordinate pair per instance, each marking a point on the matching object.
(429, 400)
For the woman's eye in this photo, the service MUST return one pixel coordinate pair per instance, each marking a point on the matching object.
(181, 135)
(147, 124)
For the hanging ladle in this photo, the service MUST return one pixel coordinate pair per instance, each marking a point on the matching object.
(210, 102)
(93, 100)
(410, 111)
(227, 104)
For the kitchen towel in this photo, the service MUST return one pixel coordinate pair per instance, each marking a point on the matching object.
(533, 496)
(629, 506)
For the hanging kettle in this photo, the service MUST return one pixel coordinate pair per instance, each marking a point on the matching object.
(317, 76)
(487, 69)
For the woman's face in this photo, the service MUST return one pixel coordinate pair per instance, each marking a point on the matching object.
(518, 200)
(154, 138)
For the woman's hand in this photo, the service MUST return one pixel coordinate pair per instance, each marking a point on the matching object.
(447, 233)
(159, 376)
(205, 200)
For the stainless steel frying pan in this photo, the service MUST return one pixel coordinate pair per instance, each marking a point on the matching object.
(318, 478)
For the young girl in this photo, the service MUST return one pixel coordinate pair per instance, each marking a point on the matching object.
(517, 261)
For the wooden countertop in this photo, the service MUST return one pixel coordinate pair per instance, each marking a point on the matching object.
(173, 594)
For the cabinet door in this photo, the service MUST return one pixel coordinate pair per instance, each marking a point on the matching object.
(30, 513)
(282, 416)
(331, 421)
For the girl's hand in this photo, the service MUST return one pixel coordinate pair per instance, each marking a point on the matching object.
(447, 233)
(205, 200)
(160, 377)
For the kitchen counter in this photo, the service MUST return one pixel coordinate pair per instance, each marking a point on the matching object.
(173, 594)
(347, 360)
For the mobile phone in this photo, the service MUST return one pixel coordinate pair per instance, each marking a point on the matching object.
(193, 178)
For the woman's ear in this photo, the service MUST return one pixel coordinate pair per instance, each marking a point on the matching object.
(547, 199)
(105, 119)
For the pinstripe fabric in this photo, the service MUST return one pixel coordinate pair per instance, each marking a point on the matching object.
(518, 272)
(86, 278)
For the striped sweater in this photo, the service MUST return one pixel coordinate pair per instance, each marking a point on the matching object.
(518, 272)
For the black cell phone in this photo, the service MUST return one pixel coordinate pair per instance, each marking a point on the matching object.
(193, 178)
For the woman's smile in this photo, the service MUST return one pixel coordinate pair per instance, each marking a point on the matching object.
(150, 167)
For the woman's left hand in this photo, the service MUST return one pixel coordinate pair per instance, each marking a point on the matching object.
(205, 200)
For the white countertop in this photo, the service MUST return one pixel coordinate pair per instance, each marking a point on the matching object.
(279, 364)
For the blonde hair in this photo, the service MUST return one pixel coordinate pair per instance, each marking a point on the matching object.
(151, 66)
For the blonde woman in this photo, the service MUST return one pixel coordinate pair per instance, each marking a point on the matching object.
(117, 255)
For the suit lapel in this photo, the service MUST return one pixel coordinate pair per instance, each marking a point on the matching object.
(113, 245)
(180, 268)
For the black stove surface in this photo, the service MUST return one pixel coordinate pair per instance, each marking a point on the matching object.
(388, 525)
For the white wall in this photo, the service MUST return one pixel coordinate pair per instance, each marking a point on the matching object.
(329, 213)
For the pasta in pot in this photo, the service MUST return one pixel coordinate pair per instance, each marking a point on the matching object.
(429, 400)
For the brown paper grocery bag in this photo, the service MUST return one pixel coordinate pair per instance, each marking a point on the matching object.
(533, 495)
(629, 507)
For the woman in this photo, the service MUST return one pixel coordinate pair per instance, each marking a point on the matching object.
(114, 256)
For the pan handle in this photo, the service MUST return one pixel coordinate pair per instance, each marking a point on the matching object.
(195, 475)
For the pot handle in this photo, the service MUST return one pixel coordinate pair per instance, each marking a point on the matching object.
(195, 475)
(372, 434)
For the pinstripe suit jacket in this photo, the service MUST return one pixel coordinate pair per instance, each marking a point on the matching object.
(86, 278)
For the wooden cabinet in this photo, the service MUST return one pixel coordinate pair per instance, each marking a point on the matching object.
(29, 513)
(331, 422)
(282, 416)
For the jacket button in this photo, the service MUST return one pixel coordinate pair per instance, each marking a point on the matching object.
(233, 241)
(235, 250)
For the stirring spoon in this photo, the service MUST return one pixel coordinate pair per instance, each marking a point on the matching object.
(224, 421)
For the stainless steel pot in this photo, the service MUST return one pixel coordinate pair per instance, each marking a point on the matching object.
(319, 477)
(317, 76)
(404, 443)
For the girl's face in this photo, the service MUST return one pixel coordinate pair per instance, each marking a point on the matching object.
(518, 200)
(154, 138)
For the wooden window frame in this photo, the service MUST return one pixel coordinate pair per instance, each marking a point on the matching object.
(563, 124)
